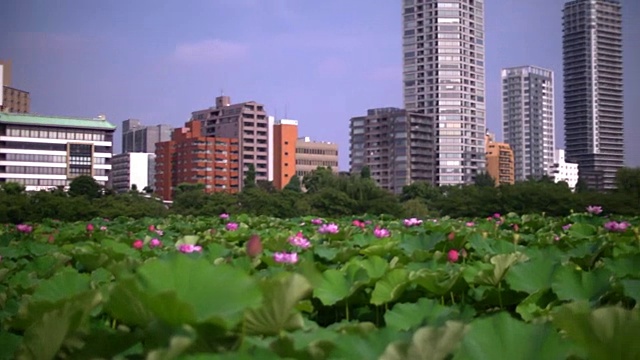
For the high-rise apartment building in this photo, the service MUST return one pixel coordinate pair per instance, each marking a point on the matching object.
(140, 138)
(593, 90)
(131, 169)
(246, 122)
(13, 100)
(285, 136)
(44, 152)
(444, 78)
(396, 145)
(528, 119)
(312, 154)
(191, 157)
(500, 164)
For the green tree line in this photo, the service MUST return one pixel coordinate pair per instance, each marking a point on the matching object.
(325, 194)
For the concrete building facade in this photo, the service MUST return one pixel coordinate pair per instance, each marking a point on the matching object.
(593, 90)
(396, 145)
(309, 155)
(247, 122)
(129, 169)
(44, 152)
(528, 119)
(500, 161)
(444, 78)
(13, 100)
(193, 158)
(564, 171)
(285, 137)
(140, 138)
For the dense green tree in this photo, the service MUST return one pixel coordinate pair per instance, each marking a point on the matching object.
(294, 184)
(319, 179)
(266, 185)
(250, 177)
(85, 185)
(483, 179)
(628, 183)
(365, 172)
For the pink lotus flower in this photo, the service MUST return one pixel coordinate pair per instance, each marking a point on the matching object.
(381, 233)
(566, 227)
(51, 239)
(232, 226)
(516, 227)
(317, 221)
(283, 257)
(358, 223)
(594, 209)
(496, 215)
(138, 244)
(89, 227)
(189, 248)
(453, 256)
(556, 238)
(451, 236)
(254, 246)
(224, 216)
(412, 222)
(300, 241)
(470, 223)
(103, 228)
(159, 232)
(24, 228)
(155, 243)
(152, 228)
(328, 229)
(614, 226)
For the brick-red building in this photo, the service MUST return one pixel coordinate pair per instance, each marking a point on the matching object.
(190, 157)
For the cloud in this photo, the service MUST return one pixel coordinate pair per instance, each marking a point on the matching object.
(332, 66)
(210, 51)
(392, 73)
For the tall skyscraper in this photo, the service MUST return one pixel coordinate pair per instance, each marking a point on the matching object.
(443, 55)
(396, 145)
(140, 138)
(527, 119)
(593, 95)
(499, 161)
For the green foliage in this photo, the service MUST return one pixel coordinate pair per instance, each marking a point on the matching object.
(86, 186)
(250, 177)
(70, 292)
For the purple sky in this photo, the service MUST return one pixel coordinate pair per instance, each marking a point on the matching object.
(323, 61)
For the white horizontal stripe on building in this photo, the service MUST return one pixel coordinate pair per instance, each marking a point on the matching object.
(32, 163)
(33, 176)
(102, 166)
(54, 141)
(33, 152)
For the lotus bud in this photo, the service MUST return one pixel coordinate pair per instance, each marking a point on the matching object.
(254, 246)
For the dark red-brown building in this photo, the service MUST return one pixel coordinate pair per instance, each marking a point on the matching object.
(189, 157)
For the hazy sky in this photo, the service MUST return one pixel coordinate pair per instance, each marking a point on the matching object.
(321, 61)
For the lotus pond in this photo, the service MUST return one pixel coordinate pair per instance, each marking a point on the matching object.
(239, 287)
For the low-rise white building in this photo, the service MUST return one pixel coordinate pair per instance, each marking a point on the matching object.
(564, 171)
(44, 152)
(132, 169)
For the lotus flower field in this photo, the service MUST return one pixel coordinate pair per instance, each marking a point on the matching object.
(239, 287)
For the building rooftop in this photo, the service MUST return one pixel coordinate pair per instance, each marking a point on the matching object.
(99, 122)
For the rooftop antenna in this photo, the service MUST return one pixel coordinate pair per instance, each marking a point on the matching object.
(221, 92)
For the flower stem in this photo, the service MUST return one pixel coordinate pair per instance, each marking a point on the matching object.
(500, 295)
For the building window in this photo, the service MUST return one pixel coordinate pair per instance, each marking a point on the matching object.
(80, 159)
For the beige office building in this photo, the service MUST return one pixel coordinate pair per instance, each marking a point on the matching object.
(13, 100)
(311, 154)
(247, 122)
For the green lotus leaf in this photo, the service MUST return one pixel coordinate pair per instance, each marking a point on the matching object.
(332, 288)
(407, 316)
(127, 303)
(582, 231)
(533, 275)
(365, 347)
(420, 242)
(437, 343)
(624, 266)
(184, 290)
(492, 274)
(572, 284)
(9, 344)
(64, 285)
(535, 305)
(605, 333)
(390, 287)
(439, 281)
(277, 313)
(632, 289)
(503, 337)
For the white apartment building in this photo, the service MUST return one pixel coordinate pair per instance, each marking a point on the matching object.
(133, 169)
(564, 171)
(444, 78)
(44, 152)
(528, 119)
